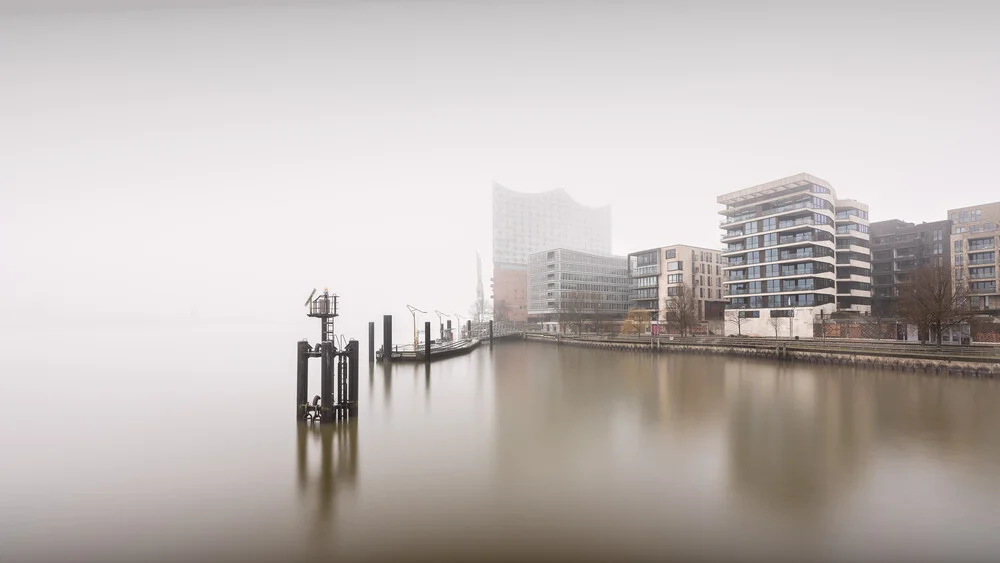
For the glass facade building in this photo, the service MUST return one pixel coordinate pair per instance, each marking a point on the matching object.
(571, 287)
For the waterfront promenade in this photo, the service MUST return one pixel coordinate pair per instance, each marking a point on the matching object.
(981, 360)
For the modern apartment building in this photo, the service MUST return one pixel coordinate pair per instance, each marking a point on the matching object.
(567, 288)
(854, 268)
(899, 248)
(656, 274)
(782, 256)
(974, 253)
(524, 223)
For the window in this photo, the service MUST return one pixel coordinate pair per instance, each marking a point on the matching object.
(675, 278)
(783, 313)
(938, 248)
(771, 271)
(701, 292)
(771, 239)
(673, 291)
(753, 258)
(982, 258)
(983, 287)
(771, 255)
(753, 272)
(819, 189)
(938, 235)
(671, 253)
(820, 219)
(770, 224)
(718, 294)
(751, 242)
(772, 286)
(750, 227)
(749, 314)
(981, 244)
(958, 246)
(717, 269)
(674, 266)
(959, 260)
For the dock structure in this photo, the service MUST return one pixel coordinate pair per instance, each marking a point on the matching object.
(474, 334)
(338, 398)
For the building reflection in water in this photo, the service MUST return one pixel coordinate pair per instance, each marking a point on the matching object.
(338, 466)
(797, 440)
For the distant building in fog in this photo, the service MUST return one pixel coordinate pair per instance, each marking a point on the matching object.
(524, 223)
(570, 288)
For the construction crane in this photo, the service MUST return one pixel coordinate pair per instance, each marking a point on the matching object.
(416, 339)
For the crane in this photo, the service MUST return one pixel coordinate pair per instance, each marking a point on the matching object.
(416, 340)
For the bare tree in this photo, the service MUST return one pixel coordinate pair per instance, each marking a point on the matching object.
(635, 321)
(736, 320)
(775, 323)
(681, 310)
(576, 307)
(929, 300)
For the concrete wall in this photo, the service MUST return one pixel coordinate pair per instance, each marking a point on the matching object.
(801, 324)
(510, 286)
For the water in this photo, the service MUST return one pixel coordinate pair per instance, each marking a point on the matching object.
(135, 446)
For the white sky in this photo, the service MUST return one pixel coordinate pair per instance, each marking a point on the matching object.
(219, 162)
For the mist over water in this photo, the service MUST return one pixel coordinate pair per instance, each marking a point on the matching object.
(188, 450)
(174, 182)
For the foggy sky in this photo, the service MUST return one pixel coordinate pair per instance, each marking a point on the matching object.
(218, 162)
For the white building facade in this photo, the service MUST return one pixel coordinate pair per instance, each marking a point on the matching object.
(781, 251)
(655, 276)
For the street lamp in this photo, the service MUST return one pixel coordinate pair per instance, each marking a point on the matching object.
(440, 323)
(416, 340)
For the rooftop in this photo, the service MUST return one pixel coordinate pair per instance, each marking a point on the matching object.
(772, 187)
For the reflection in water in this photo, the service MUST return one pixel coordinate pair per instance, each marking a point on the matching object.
(796, 442)
(338, 467)
(533, 452)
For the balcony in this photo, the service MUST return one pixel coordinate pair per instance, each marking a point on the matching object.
(982, 262)
(980, 290)
(648, 270)
(787, 224)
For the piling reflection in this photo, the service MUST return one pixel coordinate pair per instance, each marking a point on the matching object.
(338, 467)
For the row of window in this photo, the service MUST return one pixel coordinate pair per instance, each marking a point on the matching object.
(967, 216)
(779, 286)
(844, 229)
(848, 212)
(782, 270)
(775, 301)
(984, 228)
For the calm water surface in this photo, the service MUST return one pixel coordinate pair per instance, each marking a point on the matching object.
(137, 447)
